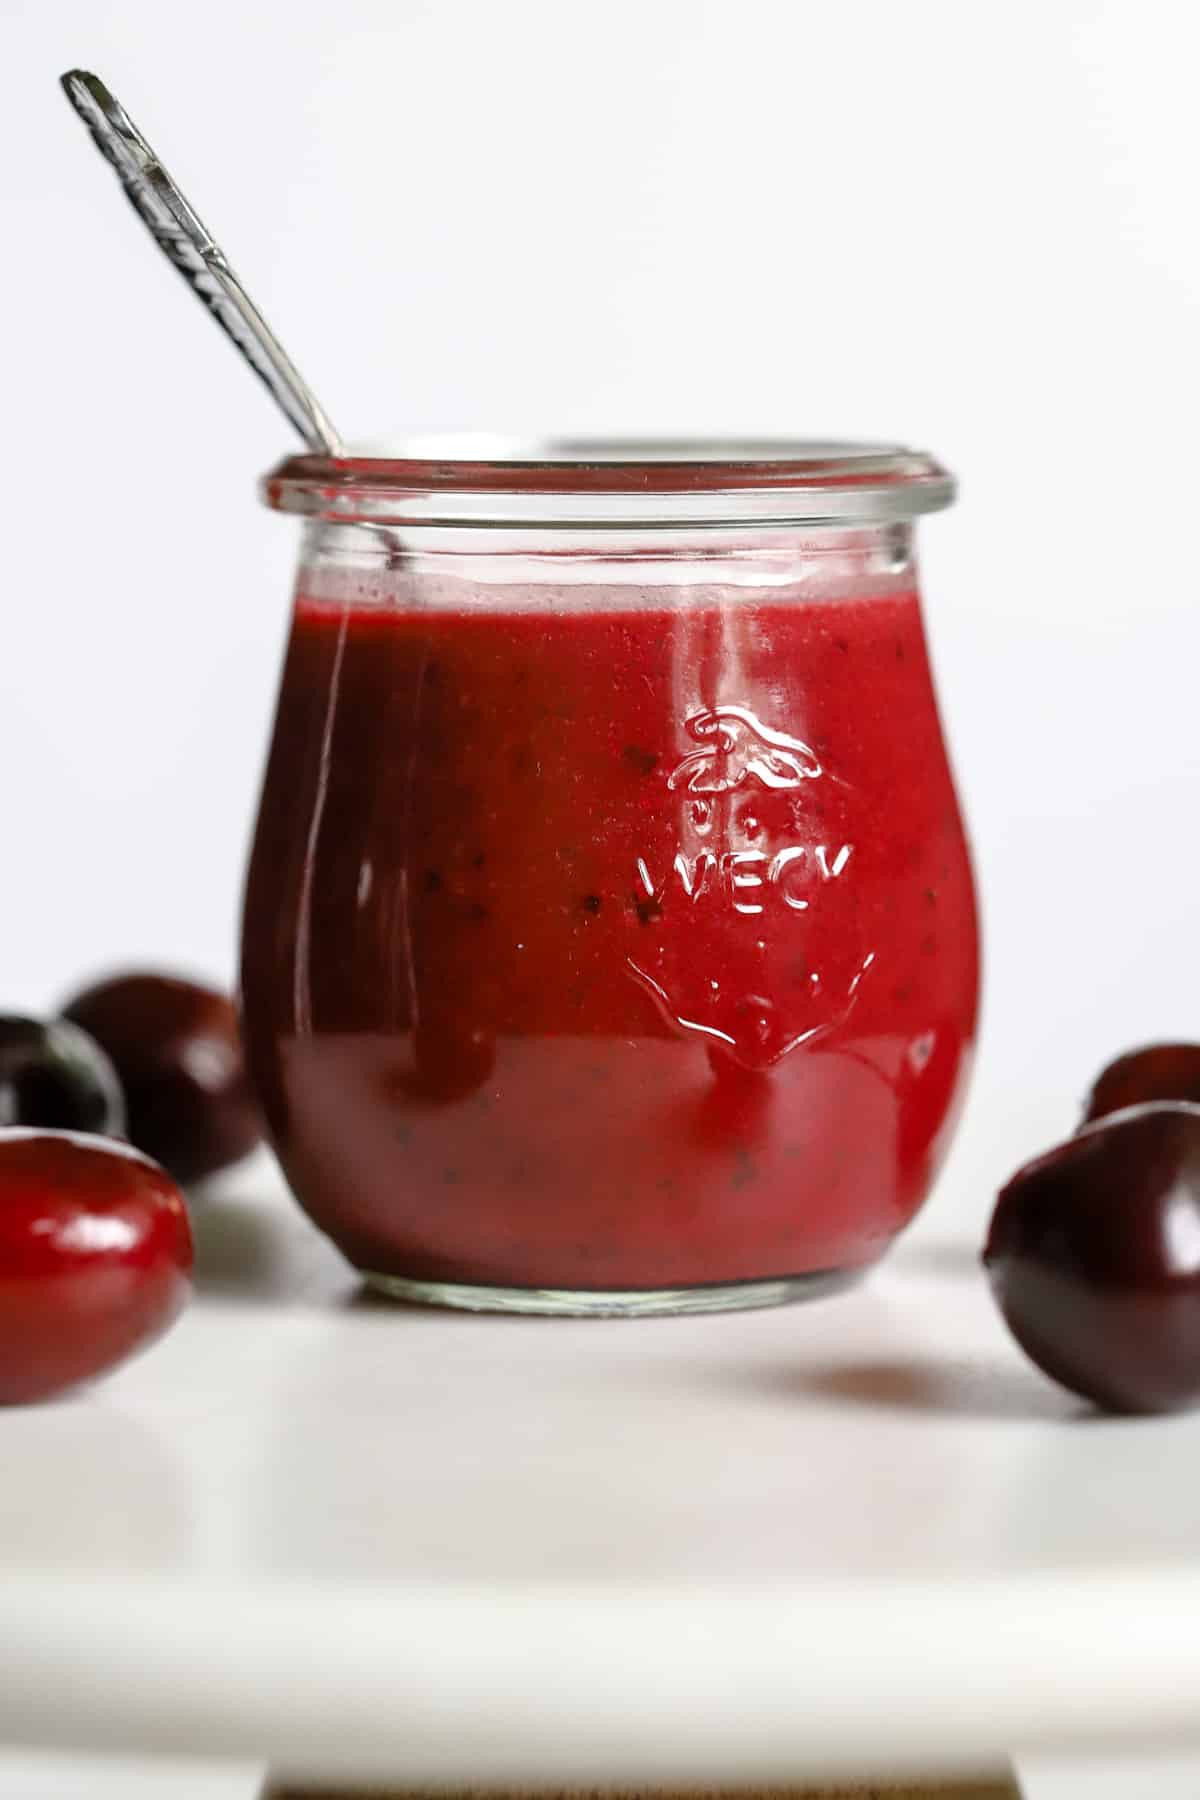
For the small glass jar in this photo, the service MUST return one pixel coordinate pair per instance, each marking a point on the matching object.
(610, 939)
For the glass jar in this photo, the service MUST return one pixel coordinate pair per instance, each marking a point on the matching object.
(610, 940)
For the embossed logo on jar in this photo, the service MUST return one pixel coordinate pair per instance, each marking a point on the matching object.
(747, 840)
(743, 877)
(736, 747)
(737, 751)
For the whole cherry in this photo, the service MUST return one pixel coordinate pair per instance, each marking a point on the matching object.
(95, 1257)
(1156, 1072)
(178, 1053)
(1094, 1259)
(54, 1075)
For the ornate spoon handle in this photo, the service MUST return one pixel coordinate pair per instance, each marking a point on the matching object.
(182, 237)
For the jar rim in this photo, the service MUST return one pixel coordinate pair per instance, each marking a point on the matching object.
(613, 482)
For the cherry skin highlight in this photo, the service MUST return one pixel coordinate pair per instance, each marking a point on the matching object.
(95, 1257)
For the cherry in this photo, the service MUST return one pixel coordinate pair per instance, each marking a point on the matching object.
(1159, 1072)
(95, 1253)
(178, 1053)
(55, 1075)
(1094, 1259)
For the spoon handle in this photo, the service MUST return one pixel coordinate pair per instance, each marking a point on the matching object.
(182, 237)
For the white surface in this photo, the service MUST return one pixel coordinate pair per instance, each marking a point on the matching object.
(338, 1536)
(46, 1775)
(1109, 1778)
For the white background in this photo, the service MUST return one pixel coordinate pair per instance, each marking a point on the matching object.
(971, 227)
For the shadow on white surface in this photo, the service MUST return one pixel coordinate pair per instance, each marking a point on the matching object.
(947, 1386)
(953, 1261)
(252, 1245)
(238, 1252)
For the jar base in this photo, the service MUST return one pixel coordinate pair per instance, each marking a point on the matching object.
(616, 1303)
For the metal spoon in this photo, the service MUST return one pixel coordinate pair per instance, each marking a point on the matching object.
(182, 237)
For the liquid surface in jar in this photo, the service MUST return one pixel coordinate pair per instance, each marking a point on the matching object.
(609, 946)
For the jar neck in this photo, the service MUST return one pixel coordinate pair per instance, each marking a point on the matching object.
(388, 563)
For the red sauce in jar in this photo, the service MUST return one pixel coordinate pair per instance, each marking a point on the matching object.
(609, 945)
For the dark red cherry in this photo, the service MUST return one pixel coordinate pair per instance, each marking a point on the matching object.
(178, 1052)
(1094, 1259)
(95, 1254)
(1158, 1072)
(54, 1075)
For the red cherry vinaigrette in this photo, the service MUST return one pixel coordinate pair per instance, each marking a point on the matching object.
(610, 939)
